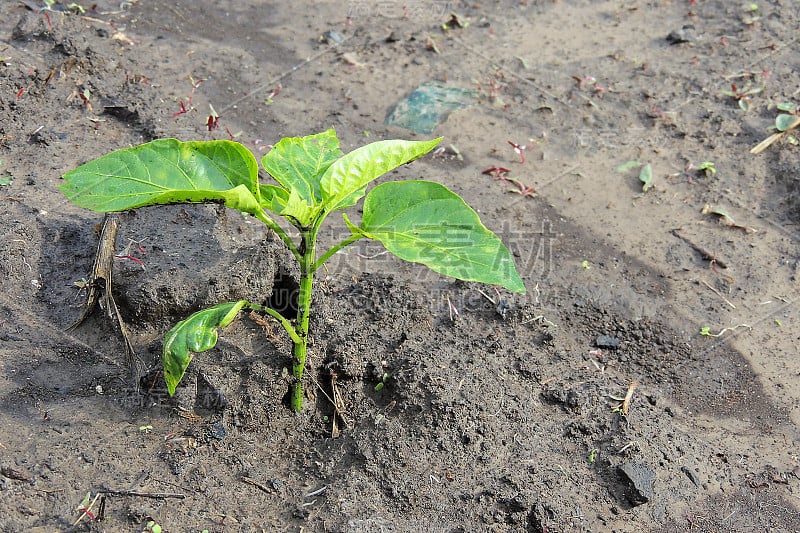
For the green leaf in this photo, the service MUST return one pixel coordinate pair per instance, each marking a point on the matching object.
(274, 197)
(195, 334)
(345, 181)
(298, 210)
(167, 171)
(789, 107)
(628, 165)
(783, 121)
(646, 177)
(298, 163)
(424, 222)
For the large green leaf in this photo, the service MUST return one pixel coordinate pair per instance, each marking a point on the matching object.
(167, 171)
(344, 183)
(195, 334)
(298, 163)
(426, 223)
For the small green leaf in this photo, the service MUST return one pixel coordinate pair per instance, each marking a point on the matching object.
(783, 121)
(298, 163)
(274, 197)
(167, 171)
(5, 180)
(345, 181)
(424, 222)
(708, 167)
(298, 210)
(195, 334)
(789, 107)
(628, 165)
(744, 104)
(646, 177)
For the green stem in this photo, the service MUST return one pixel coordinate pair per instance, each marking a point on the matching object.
(307, 263)
(335, 248)
(280, 318)
(271, 224)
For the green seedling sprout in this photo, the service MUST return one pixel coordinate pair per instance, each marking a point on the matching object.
(785, 122)
(708, 168)
(705, 331)
(416, 220)
(382, 383)
(743, 94)
(645, 172)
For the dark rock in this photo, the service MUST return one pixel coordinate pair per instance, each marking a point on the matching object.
(604, 341)
(503, 308)
(332, 37)
(692, 475)
(683, 35)
(641, 479)
(217, 431)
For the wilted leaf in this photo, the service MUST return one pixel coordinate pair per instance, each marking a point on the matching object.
(195, 334)
(724, 218)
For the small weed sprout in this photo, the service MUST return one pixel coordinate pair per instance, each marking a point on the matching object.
(416, 220)
(744, 94)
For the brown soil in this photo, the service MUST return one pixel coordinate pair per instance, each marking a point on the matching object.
(488, 421)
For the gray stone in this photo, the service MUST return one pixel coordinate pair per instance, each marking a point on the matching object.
(641, 479)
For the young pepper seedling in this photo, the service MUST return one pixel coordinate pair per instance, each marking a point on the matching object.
(416, 220)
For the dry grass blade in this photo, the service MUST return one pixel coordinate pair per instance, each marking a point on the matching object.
(339, 410)
(626, 403)
(772, 139)
(100, 281)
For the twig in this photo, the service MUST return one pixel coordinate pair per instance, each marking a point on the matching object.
(540, 318)
(775, 137)
(715, 291)
(626, 403)
(87, 511)
(339, 410)
(631, 443)
(705, 254)
(256, 484)
(317, 492)
(100, 281)
(487, 297)
(452, 308)
(155, 495)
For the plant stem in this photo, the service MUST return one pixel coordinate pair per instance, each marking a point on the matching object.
(277, 316)
(307, 252)
(271, 224)
(335, 248)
